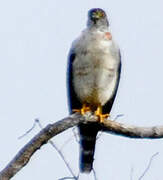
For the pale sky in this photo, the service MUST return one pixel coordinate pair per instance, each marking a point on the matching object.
(35, 37)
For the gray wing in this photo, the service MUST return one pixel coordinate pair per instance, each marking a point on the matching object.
(73, 101)
(107, 107)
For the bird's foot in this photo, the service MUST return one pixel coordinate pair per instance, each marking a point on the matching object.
(102, 117)
(83, 110)
(99, 114)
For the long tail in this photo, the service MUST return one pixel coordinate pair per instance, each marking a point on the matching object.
(88, 135)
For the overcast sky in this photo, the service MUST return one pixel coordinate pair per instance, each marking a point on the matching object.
(35, 37)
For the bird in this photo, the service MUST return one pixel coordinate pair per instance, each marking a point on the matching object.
(93, 75)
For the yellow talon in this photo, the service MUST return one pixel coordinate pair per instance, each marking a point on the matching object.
(83, 110)
(101, 116)
(98, 112)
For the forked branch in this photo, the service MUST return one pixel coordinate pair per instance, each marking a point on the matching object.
(51, 130)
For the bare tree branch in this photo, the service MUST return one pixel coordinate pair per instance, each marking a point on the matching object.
(24, 155)
(132, 131)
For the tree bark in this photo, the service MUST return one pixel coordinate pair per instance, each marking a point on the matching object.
(51, 130)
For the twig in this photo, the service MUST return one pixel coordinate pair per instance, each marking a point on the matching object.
(75, 135)
(68, 140)
(118, 116)
(94, 174)
(60, 153)
(63, 158)
(131, 173)
(149, 165)
(34, 125)
(66, 178)
(24, 155)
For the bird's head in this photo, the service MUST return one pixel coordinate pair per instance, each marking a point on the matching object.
(97, 17)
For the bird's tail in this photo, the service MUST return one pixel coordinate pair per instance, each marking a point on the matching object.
(88, 133)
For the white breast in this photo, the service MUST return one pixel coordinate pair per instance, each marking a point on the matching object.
(95, 68)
